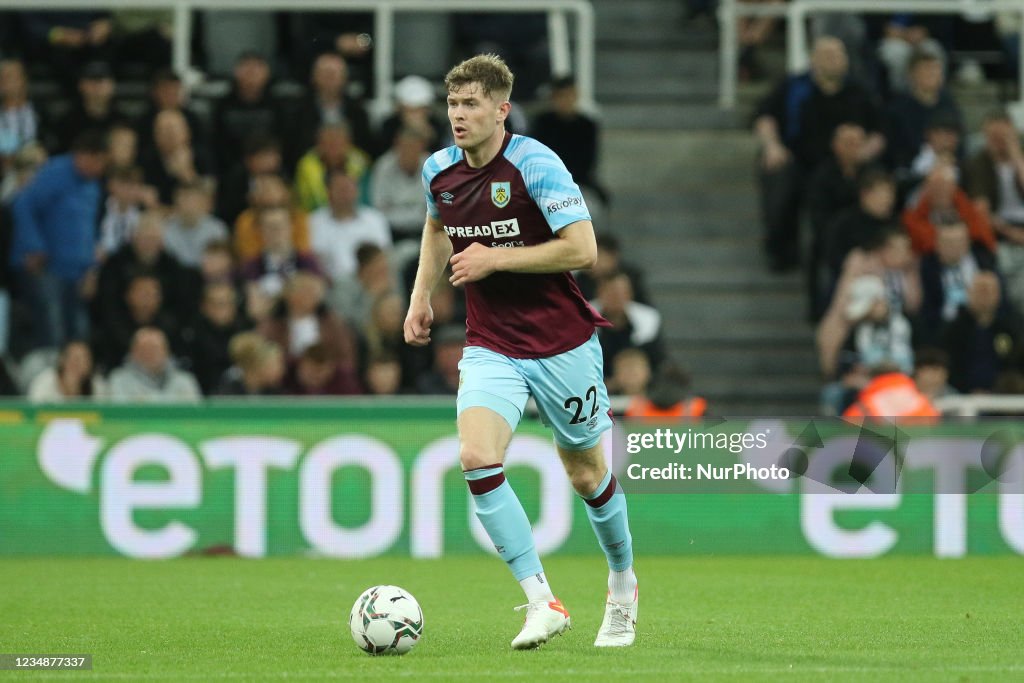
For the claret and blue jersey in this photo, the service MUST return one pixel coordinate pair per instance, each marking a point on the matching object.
(521, 198)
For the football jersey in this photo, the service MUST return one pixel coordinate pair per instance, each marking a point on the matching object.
(520, 198)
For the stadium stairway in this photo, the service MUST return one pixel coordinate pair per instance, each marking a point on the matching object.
(685, 208)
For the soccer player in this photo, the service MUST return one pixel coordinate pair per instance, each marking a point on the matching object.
(505, 212)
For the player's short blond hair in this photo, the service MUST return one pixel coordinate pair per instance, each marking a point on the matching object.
(490, 71)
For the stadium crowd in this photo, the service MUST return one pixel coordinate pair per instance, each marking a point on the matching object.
(914, 262)
(260, 245)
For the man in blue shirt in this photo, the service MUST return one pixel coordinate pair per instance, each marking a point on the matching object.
(53, 248)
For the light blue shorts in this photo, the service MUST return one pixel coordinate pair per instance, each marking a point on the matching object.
(568, 388)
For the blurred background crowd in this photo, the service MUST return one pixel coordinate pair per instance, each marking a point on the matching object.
(255, 231)
(162, 246)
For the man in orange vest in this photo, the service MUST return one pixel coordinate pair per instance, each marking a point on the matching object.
(668, 397)
(891, 394)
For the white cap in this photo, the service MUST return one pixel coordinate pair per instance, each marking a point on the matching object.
(864, 292)
(414, 91)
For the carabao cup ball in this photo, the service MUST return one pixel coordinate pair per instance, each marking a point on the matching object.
(386, 620)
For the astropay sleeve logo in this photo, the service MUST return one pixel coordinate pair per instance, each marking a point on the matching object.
(506, 228)
(556, 206)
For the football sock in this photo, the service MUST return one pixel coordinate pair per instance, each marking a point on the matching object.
(606, 508)
(622, 586)
(537, 588)
(504, 519)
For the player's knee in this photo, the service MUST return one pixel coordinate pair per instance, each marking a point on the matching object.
(585, 479)
(474, 456)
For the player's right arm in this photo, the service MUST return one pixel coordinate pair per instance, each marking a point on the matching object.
(435, 250)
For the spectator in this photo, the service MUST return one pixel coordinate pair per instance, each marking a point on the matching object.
(20, 123)
(54, 245)
(279, 260)
(268, 192)
(338, 229)
(520, 39)
(983, 340)
(995, 181)
(754, 32)
(906, 36)
(668, 396)
(261, 155)
(191, 227)
(383, 336)
(142, 39)
(857, 226)
(572, 135)
(73, 377)
(940, 197)
(631, 373)
(610, 261)
(941, 144)
(909, 113)
(831, 188)
(443, 376)
(124, 145)
(142, 307)
(94, 106)
(328, 104)
(127, 199)
(218, 265)
(247, 110)
(633, 324)
(878, 334)
(414, 99)
(26, 163)
(353, 297)
(316, 373)
(257, 369)
(347, 34)
(145, 253)
(795, 125)
(166, 92)
(173, 159)
(383, 375)
(396, 183)
(207, 339)
(931, 373)
(888, 258)
(334, 151)
(303, 320)
(149, 375)
(946, 276)
(67, 39)
(889, 394)
(23, 167)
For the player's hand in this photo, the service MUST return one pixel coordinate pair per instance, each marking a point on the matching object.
(417, 323)
(473, 263)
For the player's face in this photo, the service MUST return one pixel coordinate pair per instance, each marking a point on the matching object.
(474, 115)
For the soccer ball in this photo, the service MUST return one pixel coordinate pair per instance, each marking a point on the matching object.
(386, 620)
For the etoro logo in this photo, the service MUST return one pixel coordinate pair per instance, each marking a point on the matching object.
(191, 506)
(497, 229)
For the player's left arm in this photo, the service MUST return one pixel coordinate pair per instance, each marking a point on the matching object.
(575, 247)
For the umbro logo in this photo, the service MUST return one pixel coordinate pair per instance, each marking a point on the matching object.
(447, 197)
(617, 545)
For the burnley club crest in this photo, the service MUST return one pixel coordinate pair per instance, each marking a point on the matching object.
(501, 193)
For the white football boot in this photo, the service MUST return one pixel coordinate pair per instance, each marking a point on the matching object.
(544, 621)
(619, 626)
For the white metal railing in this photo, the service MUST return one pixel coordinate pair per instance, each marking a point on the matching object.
(384, 27)
(971, 405)
(797, 11)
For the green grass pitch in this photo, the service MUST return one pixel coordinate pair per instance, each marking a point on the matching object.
(735, 619)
